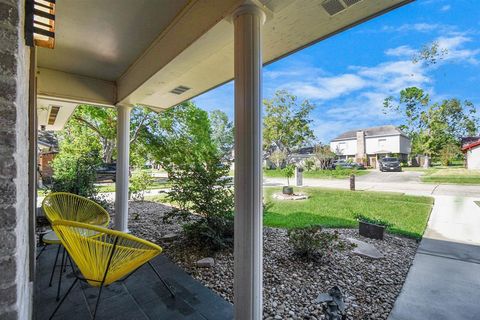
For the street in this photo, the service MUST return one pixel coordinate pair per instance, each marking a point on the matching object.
(407, 182)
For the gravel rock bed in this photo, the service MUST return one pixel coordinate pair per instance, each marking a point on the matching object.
(291, 285)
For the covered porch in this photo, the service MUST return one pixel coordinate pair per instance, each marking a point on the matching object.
(121, 54)
(141, 296)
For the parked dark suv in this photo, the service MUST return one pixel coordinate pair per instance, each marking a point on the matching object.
(389, 164)
(107, 171)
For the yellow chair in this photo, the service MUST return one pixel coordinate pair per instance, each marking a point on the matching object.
(69, 206)
(105, 258)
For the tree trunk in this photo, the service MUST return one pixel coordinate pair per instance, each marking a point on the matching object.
(426, 162)
(108, 148)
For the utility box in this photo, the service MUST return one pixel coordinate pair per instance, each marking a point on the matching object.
(298, 176)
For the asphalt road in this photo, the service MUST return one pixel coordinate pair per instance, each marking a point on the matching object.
(407, 182)
(391, 177)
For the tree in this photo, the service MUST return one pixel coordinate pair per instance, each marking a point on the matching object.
(102, 125)
(180, 134)
(324, 156)
(288, 172)
(75, 164)
(449, 152)
(278, 157)
(430, 54)
(222, 132)
(431, 126)
(182, 143)
(286, 125)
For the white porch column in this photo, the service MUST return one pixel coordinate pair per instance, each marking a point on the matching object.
(248, 20)
(123, 160)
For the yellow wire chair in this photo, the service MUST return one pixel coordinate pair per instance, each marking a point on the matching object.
(105, 258)
(69, 206)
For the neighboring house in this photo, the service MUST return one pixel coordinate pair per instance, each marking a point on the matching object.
(369, 145)
(47, 145)
(471, 148)
(299, 156)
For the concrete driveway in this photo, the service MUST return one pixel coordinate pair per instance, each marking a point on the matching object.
(391, 177)
(443, 282)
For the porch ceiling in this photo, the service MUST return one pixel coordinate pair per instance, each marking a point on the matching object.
(145, 49)
(101, 39)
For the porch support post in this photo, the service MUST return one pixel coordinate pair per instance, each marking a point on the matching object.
(122, 174)
(248, 20)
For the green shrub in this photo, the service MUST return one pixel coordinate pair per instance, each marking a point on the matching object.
(76, 174)
(313, 243)
(372, 220)
(205, 190)
(288, 172)
(140, 182)
(309, 164)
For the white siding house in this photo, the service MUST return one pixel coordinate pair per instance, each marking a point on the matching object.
(472, 155)
(370, 144)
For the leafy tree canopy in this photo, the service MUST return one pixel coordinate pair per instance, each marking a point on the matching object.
(222, 132)
(431, 126)
(100, 124)
(286, 125)
(180, 134)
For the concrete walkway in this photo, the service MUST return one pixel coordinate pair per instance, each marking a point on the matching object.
(406, 185)
(444, 280)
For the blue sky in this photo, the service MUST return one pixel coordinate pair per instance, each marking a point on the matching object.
(349, 75)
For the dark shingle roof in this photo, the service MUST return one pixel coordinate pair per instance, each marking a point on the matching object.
(373, 131)
(48, 139)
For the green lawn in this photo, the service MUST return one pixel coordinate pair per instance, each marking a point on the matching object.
(319, 174)
(452, 175)
(337, 208)
(110, 187)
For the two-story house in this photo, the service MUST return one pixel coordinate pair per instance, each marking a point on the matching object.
(368, 145)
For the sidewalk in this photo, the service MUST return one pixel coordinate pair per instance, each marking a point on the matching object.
(412, 188)
(444, 280)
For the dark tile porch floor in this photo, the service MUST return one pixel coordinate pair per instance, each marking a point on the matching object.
(141, 296)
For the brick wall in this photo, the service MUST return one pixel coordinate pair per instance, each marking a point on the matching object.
(46, 164)
(15, 288)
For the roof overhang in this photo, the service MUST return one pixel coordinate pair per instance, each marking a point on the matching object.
(116, 52)
(471, 146)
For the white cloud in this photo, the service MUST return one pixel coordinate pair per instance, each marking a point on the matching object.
(325, 88)
(456, 52)
(422, 27)
(400, 51)
(445, 8)
(292, 72)
(395, 75)
(453, 44)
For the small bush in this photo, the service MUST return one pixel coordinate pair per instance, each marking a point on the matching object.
(313, 243)
(205, 190)
(289, 172)
(139, 183)
(372, 220)
(215, 232)
(76, 174)
(309, 164)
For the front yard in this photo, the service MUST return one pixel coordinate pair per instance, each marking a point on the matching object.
(319, 174)
(337, 208)
(451, 175)
(291, 284)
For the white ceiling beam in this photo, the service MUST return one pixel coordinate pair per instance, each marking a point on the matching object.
(193, 21)
(63, 86)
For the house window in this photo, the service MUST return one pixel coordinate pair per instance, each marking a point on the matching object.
(381, 144)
